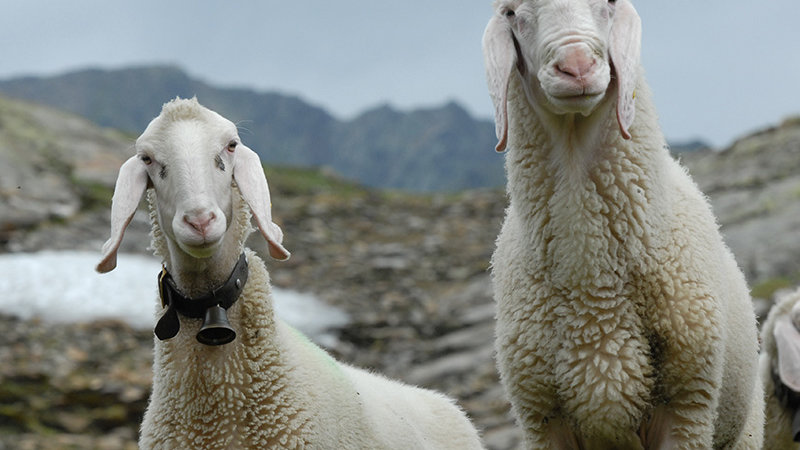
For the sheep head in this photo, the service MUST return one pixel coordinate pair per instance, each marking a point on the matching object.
(191, 156)
(567, 53)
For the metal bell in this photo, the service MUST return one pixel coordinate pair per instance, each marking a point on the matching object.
(216, 329)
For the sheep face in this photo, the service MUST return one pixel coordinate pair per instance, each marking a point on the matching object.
(189, 162)
(562, 51)
(567, 52)
(191, 156)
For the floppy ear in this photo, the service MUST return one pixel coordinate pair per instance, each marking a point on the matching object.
(788, 340)
(249, 176)
(128, 191)
(625, 42)
(500, 58)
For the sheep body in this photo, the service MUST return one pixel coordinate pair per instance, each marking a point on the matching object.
(271, 387)
(778, 423)
(623, 320)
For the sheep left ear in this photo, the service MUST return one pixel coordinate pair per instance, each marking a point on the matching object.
(252, 183)
(500, 59)
(625, 42)
(128, 191)
(787, 339)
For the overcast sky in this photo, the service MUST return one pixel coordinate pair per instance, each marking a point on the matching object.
(718, 68)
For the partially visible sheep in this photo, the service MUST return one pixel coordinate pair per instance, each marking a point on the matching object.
(623, 320)
(271, 387)
(779, 365)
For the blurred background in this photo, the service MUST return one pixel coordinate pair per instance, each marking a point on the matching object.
(375, 127)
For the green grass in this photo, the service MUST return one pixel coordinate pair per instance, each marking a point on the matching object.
(93, 195)
(767, 288)
(304, 181)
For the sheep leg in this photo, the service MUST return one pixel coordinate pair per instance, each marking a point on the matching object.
(753, 430)
(691, 372)
(561, 436)
(655, 433)
(543, 430)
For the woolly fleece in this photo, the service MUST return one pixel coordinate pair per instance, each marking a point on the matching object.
(620, 311)
(273, 388)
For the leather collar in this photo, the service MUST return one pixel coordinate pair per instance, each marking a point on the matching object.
(176, 303)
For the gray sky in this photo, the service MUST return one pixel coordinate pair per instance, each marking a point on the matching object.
(718, 68)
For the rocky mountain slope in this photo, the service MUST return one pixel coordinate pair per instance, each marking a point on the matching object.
(411, 271)
(52, 165)
(381, 147)
(754, 187)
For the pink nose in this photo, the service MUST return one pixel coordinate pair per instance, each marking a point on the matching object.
(576, 62)
(200, 222)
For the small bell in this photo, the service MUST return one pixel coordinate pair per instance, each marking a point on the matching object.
(216, 329)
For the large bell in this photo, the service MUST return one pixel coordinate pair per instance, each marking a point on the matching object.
(216, 329)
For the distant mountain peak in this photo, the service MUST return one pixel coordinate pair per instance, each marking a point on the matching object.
(432, 148)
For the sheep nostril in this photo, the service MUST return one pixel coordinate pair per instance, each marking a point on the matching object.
(199, 222)
(576, 63)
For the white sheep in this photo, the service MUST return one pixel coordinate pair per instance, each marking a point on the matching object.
(623, 320)
(270, 387)
(779, 365)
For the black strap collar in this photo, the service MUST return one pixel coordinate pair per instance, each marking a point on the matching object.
(175, 302)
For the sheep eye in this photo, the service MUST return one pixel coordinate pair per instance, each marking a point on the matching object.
(232, 146)
(510, 13)
(146, 160)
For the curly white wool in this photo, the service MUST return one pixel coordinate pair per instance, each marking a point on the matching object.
(623, 320)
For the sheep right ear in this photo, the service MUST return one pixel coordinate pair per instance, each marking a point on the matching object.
(625, 43)
(128, 191)
(787, 339)
(500, 59)
(252, 183)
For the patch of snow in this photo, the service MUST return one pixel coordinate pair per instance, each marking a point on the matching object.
(62, 286)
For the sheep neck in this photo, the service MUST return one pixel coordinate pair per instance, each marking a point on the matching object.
(225, 295)
(582, 190)
(177, 304)
(251, 374)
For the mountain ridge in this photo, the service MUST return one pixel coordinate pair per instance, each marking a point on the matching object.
(428, 149)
